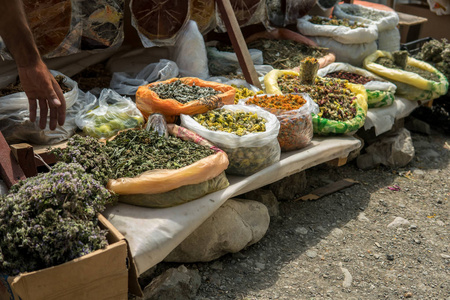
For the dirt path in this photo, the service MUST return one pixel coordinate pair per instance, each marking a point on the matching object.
(341, 247)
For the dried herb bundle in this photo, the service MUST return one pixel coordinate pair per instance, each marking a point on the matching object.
(131, 153)
(182, 92)
(51, 218)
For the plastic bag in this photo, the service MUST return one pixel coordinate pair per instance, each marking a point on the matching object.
(249, 153)
(224, 63)
(341, 34)
(379, 91)
(108, 114)
(15, 123)
(323, 126)
(296, 128)
(148, 101)
(102, 24)
(189, 53)
(409, 85)
(353, 54)
(386, 22)
(326, 127)
(127, 84)
(154, 182)
(440, 7)
(247, 12)
(156, 122)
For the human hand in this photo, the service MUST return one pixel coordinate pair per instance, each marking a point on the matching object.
(40, 86)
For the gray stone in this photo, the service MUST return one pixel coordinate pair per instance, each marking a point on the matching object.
(362, 217)
(445, 256)
(393, 150)
(266, 197)
(289, 187)
(311, 253)
(398, 221)
(337, 233)
(174, 284)
(236, 225)
(301, 230)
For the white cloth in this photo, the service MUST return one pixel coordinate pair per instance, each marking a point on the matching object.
(153, 233)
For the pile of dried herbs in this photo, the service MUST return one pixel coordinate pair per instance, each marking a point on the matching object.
(182, 92)
(51, 218)
(350, 76)
(335, 100)
(438, 54)
(131, 153)
(281, 54)
(285, 54)
(237, 122)
(361, 11)
(335, 22)
(389, 63)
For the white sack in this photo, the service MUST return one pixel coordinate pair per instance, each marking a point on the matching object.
(353, 54)
(342, 34)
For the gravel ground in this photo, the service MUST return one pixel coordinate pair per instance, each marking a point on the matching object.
(340, 246)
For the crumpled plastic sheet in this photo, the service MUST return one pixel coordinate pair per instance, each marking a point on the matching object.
(383, 118)
(153, 233)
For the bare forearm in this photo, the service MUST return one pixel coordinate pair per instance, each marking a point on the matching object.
(16, 33)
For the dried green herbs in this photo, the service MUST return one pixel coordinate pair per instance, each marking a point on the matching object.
(437, 53)
(336, 22)
(131, 153)
(360, 11)
(50, 219)
(389, 63)
(285, 54)
(335, 100)
(137, 151)
(182, 92)
(237, 122)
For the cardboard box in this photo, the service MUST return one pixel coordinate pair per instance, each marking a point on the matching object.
(436, 26)
(102, 274)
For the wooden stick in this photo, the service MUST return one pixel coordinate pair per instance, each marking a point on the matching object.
(238, 42)
(10, 170)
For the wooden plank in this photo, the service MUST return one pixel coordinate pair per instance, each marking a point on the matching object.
(10, 171)
(238, 42)
(24, 155)
(328, 189)
(337, 162)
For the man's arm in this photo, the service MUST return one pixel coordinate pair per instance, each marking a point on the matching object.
(37, 81)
